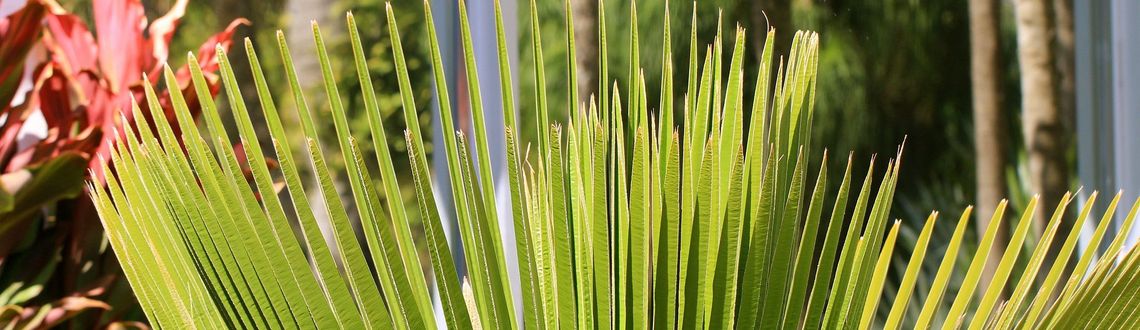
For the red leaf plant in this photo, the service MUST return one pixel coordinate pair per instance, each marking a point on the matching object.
(65, 91)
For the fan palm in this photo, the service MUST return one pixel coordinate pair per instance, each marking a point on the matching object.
(626, 217)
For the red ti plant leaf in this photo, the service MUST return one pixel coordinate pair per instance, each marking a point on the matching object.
(68, 307)
(18, 33)
(82, 79)
(66, 130)
(162, 30)
(106, 70)
(48, 315)
(87, 79)
(71, 44)
(208, 60)
(122, 48)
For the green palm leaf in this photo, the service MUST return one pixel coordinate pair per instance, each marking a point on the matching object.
(627, 217)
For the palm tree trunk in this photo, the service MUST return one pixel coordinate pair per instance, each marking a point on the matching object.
(300, 37)
(1042, 125)
(586, 47)
(1065, 63)
(989, 123)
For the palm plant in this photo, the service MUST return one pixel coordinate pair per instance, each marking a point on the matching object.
(626, 217)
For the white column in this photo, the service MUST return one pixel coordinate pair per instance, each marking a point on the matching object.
(1108, 106)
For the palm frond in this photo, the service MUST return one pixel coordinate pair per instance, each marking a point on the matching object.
(626, 217)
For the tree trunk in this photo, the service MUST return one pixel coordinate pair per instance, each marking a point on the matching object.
(586, 47)
(1065, 63)
(989, 123)
(1042, 122)
(299, 35)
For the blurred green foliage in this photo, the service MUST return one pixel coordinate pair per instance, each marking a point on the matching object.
(379, 51)
(370, 15)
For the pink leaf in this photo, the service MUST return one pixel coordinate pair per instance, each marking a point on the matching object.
(68, 307)
(18, 32)
(161, 31)
(71, 44)
(119, 28)
(207, 57)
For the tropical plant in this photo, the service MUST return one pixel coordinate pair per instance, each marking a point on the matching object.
(626, 217)
(63, 89)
